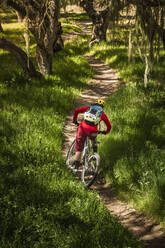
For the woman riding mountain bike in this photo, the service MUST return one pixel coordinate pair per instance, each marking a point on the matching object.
(90, 162)
(93, 115)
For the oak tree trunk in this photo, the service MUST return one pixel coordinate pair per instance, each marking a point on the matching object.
(48, 42)
(46, 28)
(44, 60)
(20, 17)
(130, 47)
(21, 57)
(99, 20)
(99, 30)
(1, 29)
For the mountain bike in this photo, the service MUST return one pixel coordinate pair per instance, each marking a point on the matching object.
(90, 162)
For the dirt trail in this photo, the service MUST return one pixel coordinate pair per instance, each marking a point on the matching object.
(104, 83)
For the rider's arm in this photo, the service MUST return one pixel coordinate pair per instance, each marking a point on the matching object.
(107, 122)
(77, 111)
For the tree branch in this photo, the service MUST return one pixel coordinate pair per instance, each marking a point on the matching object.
(148, 3)
(20, 8)
(21, 57)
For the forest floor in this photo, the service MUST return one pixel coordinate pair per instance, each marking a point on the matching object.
(104, 83)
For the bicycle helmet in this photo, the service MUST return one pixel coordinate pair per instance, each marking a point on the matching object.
(100, 102)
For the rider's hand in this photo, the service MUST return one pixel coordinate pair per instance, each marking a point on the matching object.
(102, 132)
(76, 123)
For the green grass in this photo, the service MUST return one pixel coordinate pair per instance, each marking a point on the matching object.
(70, 27)
(79, 17)
(116, 57)
(8, 15)
(41, 203)
(133, 155)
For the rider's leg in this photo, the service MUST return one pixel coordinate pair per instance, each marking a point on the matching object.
(79, 146)
(77, 156)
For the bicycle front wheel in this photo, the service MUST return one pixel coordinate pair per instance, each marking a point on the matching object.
(70, 155)
(90, 169)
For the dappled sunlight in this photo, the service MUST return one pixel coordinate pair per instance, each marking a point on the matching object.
(105, 82)
(42, 203)
(144, 229)
(134, 153)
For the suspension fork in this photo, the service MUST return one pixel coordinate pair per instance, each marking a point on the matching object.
(85, 151)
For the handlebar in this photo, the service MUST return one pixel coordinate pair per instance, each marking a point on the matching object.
(99, 132)
(102, 132)
(76, 123)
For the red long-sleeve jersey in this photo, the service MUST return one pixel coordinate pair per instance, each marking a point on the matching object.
(103, 118)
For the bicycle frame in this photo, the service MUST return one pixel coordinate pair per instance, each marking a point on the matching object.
(85, 150)
(90, 162)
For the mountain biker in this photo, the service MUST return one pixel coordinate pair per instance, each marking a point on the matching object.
(89, 127)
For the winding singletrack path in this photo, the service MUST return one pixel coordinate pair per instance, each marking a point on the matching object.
(104, 83)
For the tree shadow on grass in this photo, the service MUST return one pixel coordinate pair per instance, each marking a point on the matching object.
(28, 204)
(56, 92)
(76, 16)
(36, 203)
(10, 17)
(31, 213)
(141, 139)
(35, 207)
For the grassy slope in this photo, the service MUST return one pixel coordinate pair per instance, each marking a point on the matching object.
(133, 154)
(41, 203)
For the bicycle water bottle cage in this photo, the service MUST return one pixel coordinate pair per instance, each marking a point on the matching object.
(93, 115)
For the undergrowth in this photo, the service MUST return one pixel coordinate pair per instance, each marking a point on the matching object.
(133, 155)
(41, 203)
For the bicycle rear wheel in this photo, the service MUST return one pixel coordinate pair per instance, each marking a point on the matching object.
(90, 169)
(70, 155)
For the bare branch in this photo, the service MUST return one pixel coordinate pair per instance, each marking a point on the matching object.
(20, 56)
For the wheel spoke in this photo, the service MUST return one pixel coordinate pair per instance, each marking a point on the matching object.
(70, 155)
(90, 171)
(91, 163)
